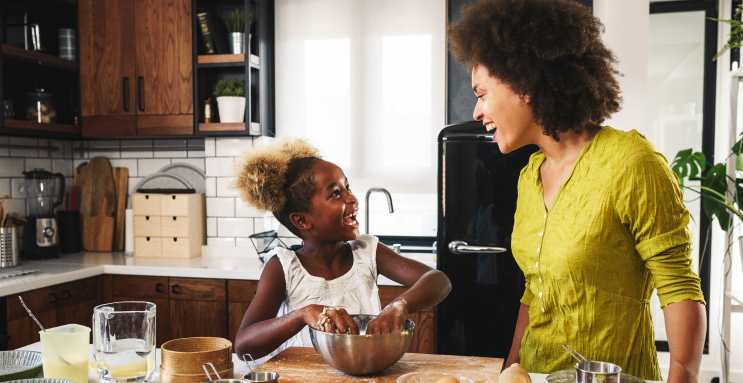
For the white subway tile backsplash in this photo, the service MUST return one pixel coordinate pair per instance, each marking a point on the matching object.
(220, 241)
(137, 154)
(220, 167)
(4, 151)
(234, 227)
(26, 152)
(244, 242)
(11, 167)
(258, 225)
(196, 162)
(5, 187)
(64, 149)
(76, 163)
(225, 187)
(147, 167)
(133, 181)
(44, 148)
(131, 164)
(195, 154)
(220, 207)
(244, 209)
(17, 188)
(16, 206)
(211, 227)
(209, 147)
(136, 149)
(233, 146)
(38, 163)
(211, 187)
(63, 166)
(170, 154)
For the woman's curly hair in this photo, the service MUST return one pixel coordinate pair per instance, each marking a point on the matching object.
(278, 178)
(548, 50)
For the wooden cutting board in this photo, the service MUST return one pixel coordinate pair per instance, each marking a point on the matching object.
(304, 364)
(98, 199)
(121, 183)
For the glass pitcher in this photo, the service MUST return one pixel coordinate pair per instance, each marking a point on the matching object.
(124, 341)
(44, 191)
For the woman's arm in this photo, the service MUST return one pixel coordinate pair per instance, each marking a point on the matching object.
(685, 325)
(518, 333)
(262, 332)
(428, 287)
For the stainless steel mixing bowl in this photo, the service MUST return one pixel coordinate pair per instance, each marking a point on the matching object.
(362, 354)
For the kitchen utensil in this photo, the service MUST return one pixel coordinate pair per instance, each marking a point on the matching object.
(362, 354)
(66, 37)
(31, 314)
(97, 204)
(44, 191)
(568, 376)
(65, 351)
(191, 174)
(575, 354)
(41, 380)
(183, 358)
(257, 376)
(427, 377)
(19, 364)
(124, 341)
(252, 377)
(8, 247)
(591, 371)
(70, 236)
(121, 182)
(98, 230)
(16, 273)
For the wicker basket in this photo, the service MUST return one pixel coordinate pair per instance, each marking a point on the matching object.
(182, 358)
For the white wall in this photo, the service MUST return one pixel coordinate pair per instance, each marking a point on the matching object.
(630, 47)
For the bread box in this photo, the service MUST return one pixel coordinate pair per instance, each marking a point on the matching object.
(168, 225)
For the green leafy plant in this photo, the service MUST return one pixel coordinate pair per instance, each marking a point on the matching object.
(736, 31)
(710, 182)
(234, 88)
(236, 20)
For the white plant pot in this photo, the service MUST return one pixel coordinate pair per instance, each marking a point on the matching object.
(231, 108)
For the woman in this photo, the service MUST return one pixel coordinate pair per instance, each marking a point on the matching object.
(600, 221)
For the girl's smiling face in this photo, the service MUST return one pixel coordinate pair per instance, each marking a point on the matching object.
(333, 208)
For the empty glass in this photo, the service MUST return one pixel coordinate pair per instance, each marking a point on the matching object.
(124, 340)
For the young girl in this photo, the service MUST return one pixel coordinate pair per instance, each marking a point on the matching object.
(334, 273)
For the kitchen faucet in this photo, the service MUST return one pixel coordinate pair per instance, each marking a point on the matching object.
(366, 207)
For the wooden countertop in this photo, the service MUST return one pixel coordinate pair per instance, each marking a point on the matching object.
(304, 364)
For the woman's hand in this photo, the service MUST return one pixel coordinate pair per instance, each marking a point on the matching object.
(390, 319)
(329, 319)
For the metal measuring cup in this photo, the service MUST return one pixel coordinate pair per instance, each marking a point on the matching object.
(590, 371)
(257, 376)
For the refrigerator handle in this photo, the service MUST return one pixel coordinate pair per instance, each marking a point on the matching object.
(461, 247)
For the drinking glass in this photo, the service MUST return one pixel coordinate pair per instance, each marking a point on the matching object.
(65, 351)
(124, 340)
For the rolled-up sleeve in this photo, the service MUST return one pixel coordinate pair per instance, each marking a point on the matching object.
(650, 204)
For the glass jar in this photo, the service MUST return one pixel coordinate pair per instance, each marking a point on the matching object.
(41, 107)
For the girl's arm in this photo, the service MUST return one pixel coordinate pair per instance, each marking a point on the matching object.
(427, 288)
(262, 332)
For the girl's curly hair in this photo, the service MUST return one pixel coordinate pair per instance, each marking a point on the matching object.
(548, 50)
(278, 178)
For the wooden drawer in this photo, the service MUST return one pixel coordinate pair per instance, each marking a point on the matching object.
(174, 226)
(147, 226)
(241, 291)
(176, 247)
(147, 204)
(199, 289)
(135, 286)
(148, 246)
(182, 205)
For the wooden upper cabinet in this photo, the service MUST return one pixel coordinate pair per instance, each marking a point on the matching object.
(136, 67)
(164, 66)
(107, 67)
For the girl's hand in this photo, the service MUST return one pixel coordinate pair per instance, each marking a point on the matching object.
(329, 319)
(391, 319)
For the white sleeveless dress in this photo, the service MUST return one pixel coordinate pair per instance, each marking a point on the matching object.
(356, 291)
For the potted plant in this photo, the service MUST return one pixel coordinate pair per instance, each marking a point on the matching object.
(736, 31)
(236, 22)
(230, 100)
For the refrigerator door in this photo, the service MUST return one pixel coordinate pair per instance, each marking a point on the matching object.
(476, 204)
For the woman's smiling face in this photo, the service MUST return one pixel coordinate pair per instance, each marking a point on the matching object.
(499, 108)
(333, 207)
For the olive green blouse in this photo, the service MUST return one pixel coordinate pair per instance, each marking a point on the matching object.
(617, 230)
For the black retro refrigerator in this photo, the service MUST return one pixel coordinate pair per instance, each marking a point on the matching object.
(476, 203)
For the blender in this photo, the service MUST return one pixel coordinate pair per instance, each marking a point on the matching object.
(44, 191)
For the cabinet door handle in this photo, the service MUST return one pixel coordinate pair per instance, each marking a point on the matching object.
(176, 289)
(140, 93)
(125, 92)
(160, 288)
(53, 298)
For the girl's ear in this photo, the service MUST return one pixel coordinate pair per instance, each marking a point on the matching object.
(300, 221)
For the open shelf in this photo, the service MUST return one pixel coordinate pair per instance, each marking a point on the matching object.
(216, 60)
(30, 125)
(36, 57)
(228, 127)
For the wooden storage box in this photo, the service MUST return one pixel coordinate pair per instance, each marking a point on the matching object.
(168, 225)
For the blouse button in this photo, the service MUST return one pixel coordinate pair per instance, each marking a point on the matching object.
(542, 308)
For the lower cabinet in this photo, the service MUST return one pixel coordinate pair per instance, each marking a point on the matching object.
(239, 296)
(71, 302)
(142, 288)
(198, 307)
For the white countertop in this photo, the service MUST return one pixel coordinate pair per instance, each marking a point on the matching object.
(84, 265)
